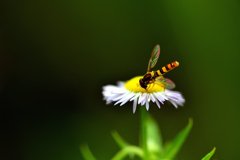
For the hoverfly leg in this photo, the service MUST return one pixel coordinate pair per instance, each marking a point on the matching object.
(153, 85)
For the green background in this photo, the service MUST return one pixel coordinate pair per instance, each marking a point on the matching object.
(55, 56)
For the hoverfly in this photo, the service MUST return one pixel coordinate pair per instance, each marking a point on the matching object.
(155, 77)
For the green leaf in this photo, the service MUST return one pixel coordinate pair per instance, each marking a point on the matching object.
(87, 154)
(154, 139)
(128, 151)
(209, 155)
(172, 148)
(120, 141)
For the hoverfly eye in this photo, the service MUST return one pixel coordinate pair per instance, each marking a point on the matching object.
(142, 84)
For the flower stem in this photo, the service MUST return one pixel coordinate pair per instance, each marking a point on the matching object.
(143, 133)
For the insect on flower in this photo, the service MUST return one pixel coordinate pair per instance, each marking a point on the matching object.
(141, 89)
(155, 77)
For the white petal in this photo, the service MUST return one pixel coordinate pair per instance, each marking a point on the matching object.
(121, 84)
(110, 98)
(147, 104)
(159, 97)
(175, 105)
(136, 96)
(134, 105)
(175, 97)
(163, 95)
(141, 99)
(127, 98)
(158, 104)
(144, 99)
(152, 97)
(148, 97)
(124, 97)
(121, 96)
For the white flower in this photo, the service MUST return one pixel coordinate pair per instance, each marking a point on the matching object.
(131, 91)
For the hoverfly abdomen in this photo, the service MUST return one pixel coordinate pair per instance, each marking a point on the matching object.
(168, 67)
(156, 74)
(174, 64)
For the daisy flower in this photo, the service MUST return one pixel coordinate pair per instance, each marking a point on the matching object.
(131, 91)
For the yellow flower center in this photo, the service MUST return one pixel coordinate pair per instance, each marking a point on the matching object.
(134, 86)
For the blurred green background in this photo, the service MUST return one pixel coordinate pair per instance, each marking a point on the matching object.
(55, 56)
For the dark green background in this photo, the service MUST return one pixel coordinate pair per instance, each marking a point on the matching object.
(55, 56)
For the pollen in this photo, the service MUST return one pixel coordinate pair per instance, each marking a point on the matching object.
(133, 85)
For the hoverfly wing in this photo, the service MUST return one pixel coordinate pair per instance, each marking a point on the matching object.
(154, 57)
(169, 84)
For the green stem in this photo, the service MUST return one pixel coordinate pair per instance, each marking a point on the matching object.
(143, 133)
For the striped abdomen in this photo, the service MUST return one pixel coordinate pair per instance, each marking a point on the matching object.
(166, 69)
